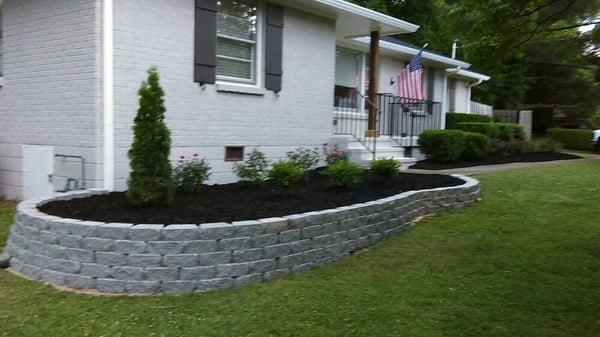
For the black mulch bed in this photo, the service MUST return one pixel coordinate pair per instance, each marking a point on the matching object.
(496, 159)
(235, 202)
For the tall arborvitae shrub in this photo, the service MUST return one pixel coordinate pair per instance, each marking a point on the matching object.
(150, 179)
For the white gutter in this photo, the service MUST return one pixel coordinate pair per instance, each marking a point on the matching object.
(351, 8)
(108, 141)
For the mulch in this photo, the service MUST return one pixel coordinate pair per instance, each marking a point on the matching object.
(236, 202)
(496, 159)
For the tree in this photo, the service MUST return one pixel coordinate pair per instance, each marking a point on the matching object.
(150, 179)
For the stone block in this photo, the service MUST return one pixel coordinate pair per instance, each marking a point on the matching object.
(98, 244)
(63, 266)
(53, 251)
(274, 225)
(161, 274)
(234, 244)
(111, 286)
(332, 250)
(111, 259)
(114, 231)
(322, 241)
(96, 270)
(180, 233)
(145, 232)
(70, 241)
(180, 260)
(274, 251)
(290, 235)
(80, 282)
(85, 228)
(313, 255)
(247, 228)
(290, 261)
(144, 260)
(274, 274)
(197, 273)
(214, 284)
(142, 287)
(300, 246)
(312, 231)
(211, 259)
(165, 247)
(79, 255)
(330, 227)
(362, 242)
(265, 240)
(247, 255)
(178, 287)
(200, 246)
(45, 237)
(128, 273)
(214, 231)
(129, 247)
(232, 270)
(60, 226)
(261, 266)
(245, 280)
(52, 277)
(302, 268)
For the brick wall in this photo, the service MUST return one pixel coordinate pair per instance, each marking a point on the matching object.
(52, 89)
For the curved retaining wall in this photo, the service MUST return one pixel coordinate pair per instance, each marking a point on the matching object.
(142, 259)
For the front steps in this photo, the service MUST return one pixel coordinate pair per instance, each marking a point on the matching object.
(385, 147)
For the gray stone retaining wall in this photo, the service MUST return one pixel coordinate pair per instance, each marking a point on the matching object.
(182, 258)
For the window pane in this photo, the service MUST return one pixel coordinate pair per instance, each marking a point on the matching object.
(237, 18)
(347, 68)
(232, 48)
(234, 68)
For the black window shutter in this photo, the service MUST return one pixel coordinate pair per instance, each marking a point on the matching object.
(274, 47)
(205, 42)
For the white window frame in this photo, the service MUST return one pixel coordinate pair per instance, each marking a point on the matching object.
(257, 55)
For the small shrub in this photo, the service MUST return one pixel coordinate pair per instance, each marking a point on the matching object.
(190, 175)
(505, 147)
(286, 174)
(333, 155)
(442, 145)
(344, 173)
(385, 169)
(453, 118)
(541, 145)
(150, 180)
(253, 171)
(574, 139)
(502, 131)
(306, 159)
(477, 146)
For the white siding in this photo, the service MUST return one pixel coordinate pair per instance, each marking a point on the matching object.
(52, 85)
(204, 121)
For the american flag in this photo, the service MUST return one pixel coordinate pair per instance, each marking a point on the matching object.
(410, 81)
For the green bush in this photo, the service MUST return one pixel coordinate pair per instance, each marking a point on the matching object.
(574, 139)
(453, 118)
(344, 173)
(385, 169)
(541, 145)
(189, 176)
(477, 146)
(306, 159)
(442, 145)
(501, 131)
(150, 181)
(286, 174)
(253, 171)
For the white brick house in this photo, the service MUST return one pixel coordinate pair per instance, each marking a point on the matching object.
(70, 71)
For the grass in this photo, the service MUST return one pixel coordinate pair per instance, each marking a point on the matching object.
(523, 262)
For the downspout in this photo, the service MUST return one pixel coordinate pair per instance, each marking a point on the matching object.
(447, 73)
(468, 104)
(108, 142)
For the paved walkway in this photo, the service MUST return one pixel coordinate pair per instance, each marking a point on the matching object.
(475, 170)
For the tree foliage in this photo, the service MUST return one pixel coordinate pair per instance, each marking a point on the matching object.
(533, 49)
(150, 179)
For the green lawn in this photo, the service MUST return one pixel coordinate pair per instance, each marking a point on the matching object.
(523, 262)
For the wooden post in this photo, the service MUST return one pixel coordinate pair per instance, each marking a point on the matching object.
(373, 83)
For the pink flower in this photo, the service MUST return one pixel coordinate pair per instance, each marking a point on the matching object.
(182, 157)
(195, 155)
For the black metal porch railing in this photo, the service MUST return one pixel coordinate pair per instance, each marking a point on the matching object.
(403, 119)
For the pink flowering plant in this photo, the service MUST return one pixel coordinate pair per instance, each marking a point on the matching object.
(191, 173)
(333, 154)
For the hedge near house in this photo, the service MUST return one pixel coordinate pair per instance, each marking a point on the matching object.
(477, 146)
(574, 139)
(150, 179)
(501, 131)
(442, 145)
(453, 118)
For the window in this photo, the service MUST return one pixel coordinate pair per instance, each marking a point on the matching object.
(237, 40)
(234, 153)
(347, 78)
